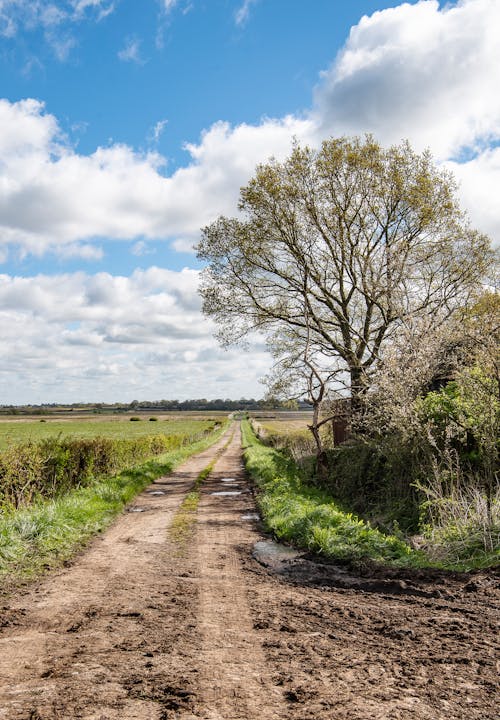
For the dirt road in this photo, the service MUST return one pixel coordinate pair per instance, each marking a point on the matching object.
(143, 626)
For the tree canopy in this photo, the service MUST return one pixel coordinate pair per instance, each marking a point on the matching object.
(340, 247)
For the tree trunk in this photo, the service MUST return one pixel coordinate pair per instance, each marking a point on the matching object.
(358, 391)
(321, 457)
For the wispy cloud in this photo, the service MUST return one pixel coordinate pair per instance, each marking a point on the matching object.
(141, 248)
(54, 17)
(61, 43)
(157, 131)
(169, 5)
(102, 8)
(132, 51)
(242, 15)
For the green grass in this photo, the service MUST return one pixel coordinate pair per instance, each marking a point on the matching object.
(17, 432)
(47, 533)
(308, 517)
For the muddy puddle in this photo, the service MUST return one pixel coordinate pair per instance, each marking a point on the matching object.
(227, 492)
(273, 555)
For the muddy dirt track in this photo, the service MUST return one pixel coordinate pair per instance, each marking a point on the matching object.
(143, 626)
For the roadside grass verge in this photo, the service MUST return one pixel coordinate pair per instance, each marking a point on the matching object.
(49, 532)
(309, 518)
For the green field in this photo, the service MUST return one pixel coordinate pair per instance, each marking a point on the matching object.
(14, 432)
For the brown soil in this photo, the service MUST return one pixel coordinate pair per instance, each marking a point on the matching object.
(146, 627)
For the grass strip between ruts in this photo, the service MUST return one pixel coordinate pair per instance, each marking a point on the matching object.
(182, 526)
(45, 534)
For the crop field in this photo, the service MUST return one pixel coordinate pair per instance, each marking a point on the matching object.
(283, 427)
(282, 423)
(14, 432)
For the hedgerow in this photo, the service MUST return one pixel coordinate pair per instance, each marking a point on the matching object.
(49, 468)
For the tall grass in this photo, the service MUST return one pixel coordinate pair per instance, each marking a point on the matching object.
(310, 517)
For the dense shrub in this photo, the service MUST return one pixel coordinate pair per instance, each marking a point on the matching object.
(377, 480)
(52, 466)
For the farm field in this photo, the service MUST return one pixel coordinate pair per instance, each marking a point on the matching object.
(219, 622)
(282, 423)
(17, 431)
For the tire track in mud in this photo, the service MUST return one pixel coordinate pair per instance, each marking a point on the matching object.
(234, 677)
(97, 640)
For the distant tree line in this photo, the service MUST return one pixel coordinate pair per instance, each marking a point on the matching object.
(201, 404)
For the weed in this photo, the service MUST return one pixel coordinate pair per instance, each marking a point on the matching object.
(309, 517)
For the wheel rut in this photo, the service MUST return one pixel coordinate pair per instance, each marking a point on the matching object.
(235, 677)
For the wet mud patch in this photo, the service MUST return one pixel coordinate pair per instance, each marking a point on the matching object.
(302, 568)
(226, 493)
(171, 698)
(11, 617)
(347, 646)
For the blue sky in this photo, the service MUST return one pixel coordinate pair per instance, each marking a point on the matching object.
(126, 126)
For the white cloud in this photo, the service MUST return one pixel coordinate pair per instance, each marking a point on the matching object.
(30, 14)
(141, 248)
(82, 335)
(54, 17)
(169, 5)
(479, 181)
(157, 131)
(50, 196)
(103, 7)
(412, 71)
(242, 14)
(421, 72)
(131, 52)
(82, 251)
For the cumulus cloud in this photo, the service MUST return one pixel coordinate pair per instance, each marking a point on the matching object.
(114, 338)
(421, 72)
(51, 196)
(418, 71)
(414, 71)
(479, 180)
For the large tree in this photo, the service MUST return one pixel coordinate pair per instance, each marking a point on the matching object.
(342, 246)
